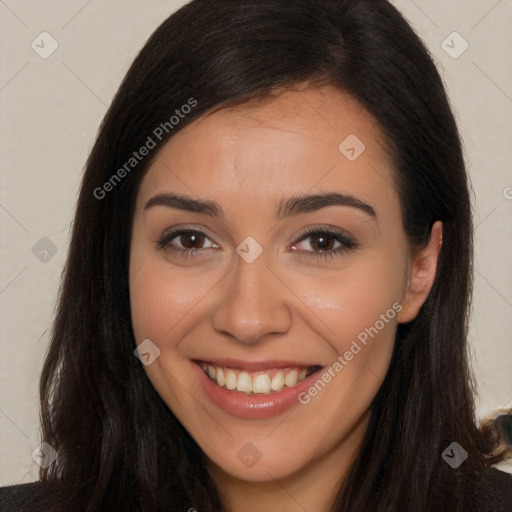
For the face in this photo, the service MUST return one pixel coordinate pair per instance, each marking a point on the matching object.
(268, 252)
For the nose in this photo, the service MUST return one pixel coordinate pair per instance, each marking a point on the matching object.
(253, 303)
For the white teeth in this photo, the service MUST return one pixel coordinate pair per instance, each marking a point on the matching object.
(211, 371)
(230, 379)
(261, 384)
(291, 379)
(244, 383)
(277, 382)
(221, 381)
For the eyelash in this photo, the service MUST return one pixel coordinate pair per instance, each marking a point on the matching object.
(347, 243)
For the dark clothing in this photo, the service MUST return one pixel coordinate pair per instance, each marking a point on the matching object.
(495, 495)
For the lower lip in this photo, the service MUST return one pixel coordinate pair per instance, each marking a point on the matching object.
(253, 406)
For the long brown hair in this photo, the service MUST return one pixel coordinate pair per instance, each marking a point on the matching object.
(119, 446)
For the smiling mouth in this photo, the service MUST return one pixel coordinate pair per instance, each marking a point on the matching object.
(257, 382)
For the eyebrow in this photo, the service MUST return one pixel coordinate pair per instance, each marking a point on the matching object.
(302, 203)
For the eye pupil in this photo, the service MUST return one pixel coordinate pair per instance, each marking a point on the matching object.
(192, 240)
(322, 243)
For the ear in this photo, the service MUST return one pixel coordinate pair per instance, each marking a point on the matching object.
(421, 277)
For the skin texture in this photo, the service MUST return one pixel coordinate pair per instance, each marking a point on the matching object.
(287, 304)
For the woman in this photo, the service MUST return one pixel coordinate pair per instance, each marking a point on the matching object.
(265, 300)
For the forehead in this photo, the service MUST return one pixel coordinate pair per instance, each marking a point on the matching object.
(301, 140)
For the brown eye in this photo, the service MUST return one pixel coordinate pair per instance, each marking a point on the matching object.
(322, 242)
(185, 242)
(191, 240)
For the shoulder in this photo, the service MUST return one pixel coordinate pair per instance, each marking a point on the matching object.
(29, 497)
(494, 492)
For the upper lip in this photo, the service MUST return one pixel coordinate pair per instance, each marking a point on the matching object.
(254, 366)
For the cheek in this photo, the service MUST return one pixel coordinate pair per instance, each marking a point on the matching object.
(161, 298)
(152, 304)
(356, 298)
(360, 308)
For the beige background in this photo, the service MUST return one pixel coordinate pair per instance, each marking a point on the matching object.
(50, 112)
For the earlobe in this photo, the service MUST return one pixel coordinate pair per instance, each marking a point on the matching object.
(421, 275)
